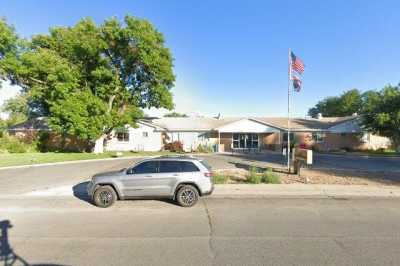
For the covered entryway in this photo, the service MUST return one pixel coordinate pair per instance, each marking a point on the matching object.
(243, 135)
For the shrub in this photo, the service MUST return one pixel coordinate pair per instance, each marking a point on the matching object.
(205, 148)
(270, 177)
(175, 146)
(220, 179)
(12, 144)
(253, 176)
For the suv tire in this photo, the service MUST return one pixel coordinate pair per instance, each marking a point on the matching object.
(187, 196)
(104, 196)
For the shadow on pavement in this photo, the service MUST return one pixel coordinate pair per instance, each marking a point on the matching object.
(80, 192)
(7, 254)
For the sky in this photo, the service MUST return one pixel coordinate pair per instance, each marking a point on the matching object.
(231, 57)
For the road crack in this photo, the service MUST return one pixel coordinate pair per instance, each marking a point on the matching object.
(210, 233)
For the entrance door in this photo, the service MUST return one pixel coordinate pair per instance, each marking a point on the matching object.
(245, 141)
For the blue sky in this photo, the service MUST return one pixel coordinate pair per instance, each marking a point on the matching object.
(231, 56)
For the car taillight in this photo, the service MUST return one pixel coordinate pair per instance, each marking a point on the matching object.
(208, 174)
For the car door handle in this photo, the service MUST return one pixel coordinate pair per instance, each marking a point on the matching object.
(148, 176)
(175, 175)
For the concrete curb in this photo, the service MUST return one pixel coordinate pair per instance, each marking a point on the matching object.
(304, 191)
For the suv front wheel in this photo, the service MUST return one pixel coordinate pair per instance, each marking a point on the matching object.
(187, 196)
(104, 196)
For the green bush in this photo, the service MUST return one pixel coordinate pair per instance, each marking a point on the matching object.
(270, 177)
(253, 176)
(204, 148)
(220, 179)
(12, 144)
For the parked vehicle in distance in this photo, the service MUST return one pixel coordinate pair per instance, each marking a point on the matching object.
(180, 178)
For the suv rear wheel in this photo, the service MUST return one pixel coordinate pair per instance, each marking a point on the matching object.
(187, 196)
(104, 196)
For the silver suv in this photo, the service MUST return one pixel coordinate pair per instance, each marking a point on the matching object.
(182, 178)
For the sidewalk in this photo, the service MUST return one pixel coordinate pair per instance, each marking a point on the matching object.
(303, 191)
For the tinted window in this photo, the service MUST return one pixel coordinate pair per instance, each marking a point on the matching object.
(147, 167)
(188, 167)
(206, 165)
(170, 166)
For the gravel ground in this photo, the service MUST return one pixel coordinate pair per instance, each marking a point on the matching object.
(336, 177)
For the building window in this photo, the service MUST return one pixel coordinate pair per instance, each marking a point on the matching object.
(245, 141)
(318, 137)
(123, 136)
(145, 134)
(284, 138)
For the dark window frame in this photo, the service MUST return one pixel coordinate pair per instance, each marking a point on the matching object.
(157, 167)
(122, 136)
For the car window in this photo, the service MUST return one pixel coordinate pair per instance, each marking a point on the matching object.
(206, 165)
(188, 167)
(149, 167)
(169, 167)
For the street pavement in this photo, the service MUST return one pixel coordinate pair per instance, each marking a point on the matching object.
(68, 231)
(24, 180)
(41, 225)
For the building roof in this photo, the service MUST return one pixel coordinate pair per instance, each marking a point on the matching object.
(39, 123)
(208, 123)
(303, 124)
(192, 123)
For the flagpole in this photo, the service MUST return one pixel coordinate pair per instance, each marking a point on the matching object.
(288, 120)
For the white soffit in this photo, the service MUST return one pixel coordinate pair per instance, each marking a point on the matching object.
(246, 126)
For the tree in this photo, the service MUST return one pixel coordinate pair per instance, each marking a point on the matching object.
(381, 113)
(17, 109)
(91, 79)
(8, 46)
(348, 103)
(175, 114)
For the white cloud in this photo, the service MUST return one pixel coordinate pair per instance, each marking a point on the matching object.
(7, 91)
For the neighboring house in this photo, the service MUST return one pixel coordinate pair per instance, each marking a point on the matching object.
(30, 129)
(236, 134)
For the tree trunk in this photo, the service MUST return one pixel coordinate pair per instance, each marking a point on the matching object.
(99, 145)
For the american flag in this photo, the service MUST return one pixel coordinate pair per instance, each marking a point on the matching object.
(296, 83)
(297, 63)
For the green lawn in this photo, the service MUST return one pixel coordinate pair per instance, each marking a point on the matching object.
(13, 159)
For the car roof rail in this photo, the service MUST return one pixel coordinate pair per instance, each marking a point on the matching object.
(177, 156)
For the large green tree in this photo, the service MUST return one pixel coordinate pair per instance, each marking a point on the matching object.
(8, 47)
(347, 103)
(381, 113)
(17, 109)
(90, 79)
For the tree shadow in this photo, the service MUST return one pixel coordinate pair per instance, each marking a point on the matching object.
(7, 254)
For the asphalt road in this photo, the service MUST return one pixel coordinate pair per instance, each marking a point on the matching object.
(68, 231)
(24, 180)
